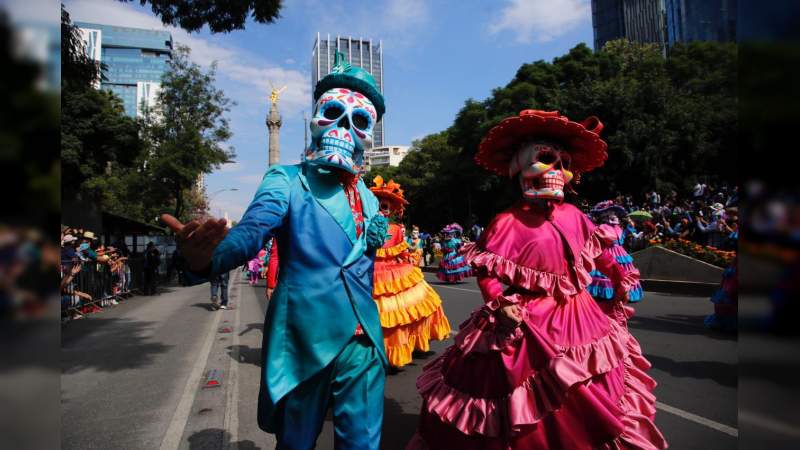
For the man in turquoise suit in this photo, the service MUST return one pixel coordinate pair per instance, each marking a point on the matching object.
(323, 344)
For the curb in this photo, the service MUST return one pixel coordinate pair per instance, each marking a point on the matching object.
(692, 288)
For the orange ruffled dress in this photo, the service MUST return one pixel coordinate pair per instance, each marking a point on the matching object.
(410, 310)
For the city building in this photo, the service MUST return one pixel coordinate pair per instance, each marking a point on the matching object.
(134, 59)
(706, 20)
(383, 156)
(663, 22)
(359, 52)
(636, 20)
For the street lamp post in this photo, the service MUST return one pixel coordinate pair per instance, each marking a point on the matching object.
(214, 194)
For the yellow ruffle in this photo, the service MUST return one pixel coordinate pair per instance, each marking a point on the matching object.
(391, 252)
(396, 278)
(400, 342)
(408, 306)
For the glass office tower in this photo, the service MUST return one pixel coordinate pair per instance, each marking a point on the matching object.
(135, 60)
(359, 52)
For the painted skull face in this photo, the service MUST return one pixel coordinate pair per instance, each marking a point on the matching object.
(610, 218)
(543, 169)
(341, 129)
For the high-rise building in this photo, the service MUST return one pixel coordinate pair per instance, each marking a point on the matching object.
(701, 20)
(134, 59)
(636, 20)
(663, 22)
(359, 52)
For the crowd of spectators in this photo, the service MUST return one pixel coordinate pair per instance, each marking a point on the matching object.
(93, 275)
(707, 216)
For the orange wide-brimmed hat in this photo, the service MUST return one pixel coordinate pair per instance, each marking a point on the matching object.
(390, 192)
(580, 139)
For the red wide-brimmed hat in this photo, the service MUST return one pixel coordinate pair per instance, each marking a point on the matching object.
(580, 139)
(390, 192)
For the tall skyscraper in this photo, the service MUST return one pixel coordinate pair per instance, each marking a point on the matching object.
(636, 20)
(135, 59)
(359, 52)
(703, 20)
(663, 22)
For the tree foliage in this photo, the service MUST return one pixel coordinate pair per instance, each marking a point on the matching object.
(185, 133)
(220, 16)
(668, 122)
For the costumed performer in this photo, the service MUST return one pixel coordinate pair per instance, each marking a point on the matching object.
(410, 310)
(453, 267)
(540, 366)
(416, 247)
(726, 301)
(323, 343)
(606, 216)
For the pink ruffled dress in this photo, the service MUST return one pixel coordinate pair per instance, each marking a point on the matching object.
(568, 377)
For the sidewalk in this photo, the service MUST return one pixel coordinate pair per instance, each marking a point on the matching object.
(132, 375)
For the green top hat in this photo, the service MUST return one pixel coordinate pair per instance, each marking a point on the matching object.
(343, 75)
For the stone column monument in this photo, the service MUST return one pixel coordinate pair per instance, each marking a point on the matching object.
(274, 125)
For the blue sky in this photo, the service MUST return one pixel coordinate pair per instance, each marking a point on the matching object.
(437, 54)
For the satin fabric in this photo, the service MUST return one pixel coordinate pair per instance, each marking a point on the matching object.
(355, 374)
(569, 377)
(324, 287)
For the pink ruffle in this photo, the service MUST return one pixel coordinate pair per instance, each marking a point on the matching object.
(540, 394)
(513, 274)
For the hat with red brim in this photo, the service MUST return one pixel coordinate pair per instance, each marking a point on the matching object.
(581, 139)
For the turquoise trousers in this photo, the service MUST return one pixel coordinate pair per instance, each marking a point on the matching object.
(352, 386)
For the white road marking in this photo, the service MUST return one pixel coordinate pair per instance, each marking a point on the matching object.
(769, 424)
(698, 419)
(231, 424)
(172, 438)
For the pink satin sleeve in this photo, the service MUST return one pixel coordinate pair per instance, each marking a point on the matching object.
(491, 287)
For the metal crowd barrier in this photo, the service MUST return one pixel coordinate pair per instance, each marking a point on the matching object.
(103, 284)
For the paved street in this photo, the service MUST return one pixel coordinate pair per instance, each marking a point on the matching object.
(132, 376)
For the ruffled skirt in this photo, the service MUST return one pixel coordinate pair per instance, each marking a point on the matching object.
(726, 303)
(601, 287)
(453, 268)
(410, 311)
(568, 378)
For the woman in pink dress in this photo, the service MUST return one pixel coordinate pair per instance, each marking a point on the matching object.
(539, 365)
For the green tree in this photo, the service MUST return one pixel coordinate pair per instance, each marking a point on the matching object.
(668, 122)
(97, 139)
(185, 133)
(220, 16)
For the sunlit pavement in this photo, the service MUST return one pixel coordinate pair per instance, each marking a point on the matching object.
(133, 376)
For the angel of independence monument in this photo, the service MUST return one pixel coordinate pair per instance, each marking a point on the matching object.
(274, 126)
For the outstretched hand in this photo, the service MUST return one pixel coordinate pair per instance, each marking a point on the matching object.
(196, 241)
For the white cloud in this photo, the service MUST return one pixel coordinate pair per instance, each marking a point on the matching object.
(540, 20)
(250, 71)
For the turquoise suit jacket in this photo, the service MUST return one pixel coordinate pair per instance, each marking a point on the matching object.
(325, 275)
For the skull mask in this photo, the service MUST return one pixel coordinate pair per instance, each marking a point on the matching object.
(609, 217)
(341, 129)
(543, 169)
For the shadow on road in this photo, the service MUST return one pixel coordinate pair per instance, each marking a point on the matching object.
(206, 306)
(398, 426)
(247, 354)
(678, 323)
(723, 373)
(108, 345)
(215, 439)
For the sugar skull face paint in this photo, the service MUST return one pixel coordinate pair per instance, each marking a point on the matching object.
(543, 169)
(610, 218)
(341, 129)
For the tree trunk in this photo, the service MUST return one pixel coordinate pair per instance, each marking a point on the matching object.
(178, 202)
